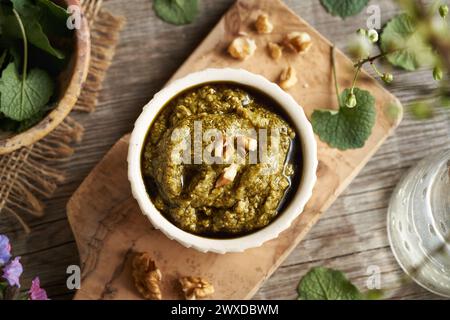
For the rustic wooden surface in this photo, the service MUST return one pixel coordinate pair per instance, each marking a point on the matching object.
(351, 235)
(104, 235)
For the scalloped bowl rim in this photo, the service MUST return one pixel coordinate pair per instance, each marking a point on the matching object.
(285, 218)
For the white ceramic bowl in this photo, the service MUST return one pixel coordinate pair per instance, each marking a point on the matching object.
(285, 218)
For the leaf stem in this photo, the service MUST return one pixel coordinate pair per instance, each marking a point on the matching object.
(355, 78)
(371, 59)
(25, 45)
(333, 66)
(377, 71)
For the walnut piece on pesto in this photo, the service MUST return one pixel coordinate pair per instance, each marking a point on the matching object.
(221, 191)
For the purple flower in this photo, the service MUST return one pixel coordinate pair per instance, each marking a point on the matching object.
(36, 292)
(5, 250)
(12, 272)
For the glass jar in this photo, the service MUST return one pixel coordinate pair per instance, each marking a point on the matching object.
(419, 223)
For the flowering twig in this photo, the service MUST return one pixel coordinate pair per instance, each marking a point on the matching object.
(371, 59)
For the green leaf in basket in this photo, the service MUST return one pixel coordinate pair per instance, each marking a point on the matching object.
(176, 12)
(348, 128)
(344, 8)
(53, 18)
(10, 125)
(31, 16)
(405, 45)
(23, 97)
(327, 284)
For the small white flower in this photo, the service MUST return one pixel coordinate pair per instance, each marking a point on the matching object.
(387, 77)
(443, 11)
(351, 101)
(372, 34)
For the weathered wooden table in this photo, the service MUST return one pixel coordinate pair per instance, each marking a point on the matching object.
(351, 236)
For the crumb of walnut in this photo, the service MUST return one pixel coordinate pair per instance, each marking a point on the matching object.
(275, 50)
(263, 24)
(288, 78)
(196, 287)
(146, 276)
(227, 175)
(242, 48)
(299, 42)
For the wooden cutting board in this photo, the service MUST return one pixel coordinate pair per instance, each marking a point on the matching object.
(109, 226)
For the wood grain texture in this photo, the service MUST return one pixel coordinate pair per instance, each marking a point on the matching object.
(350, 236)
(108, 225)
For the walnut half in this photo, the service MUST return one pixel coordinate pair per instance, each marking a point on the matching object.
(146, 276)
(242, 48)
(275, 51)
(227, 175)
(263, 24)
(196, 287)
(299, 42)
(288, 78)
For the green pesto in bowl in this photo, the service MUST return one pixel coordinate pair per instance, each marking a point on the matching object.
(221, 160)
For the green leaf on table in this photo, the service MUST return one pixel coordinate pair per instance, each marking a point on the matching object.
(406, 46)
(348, 128)
(422, 110)
(21, 100)
(344, 8)
(176, 12)
(30, 15)
(327, 284)
(374, 294)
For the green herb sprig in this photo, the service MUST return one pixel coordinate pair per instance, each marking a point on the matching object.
(351, 125)
(409, 41)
